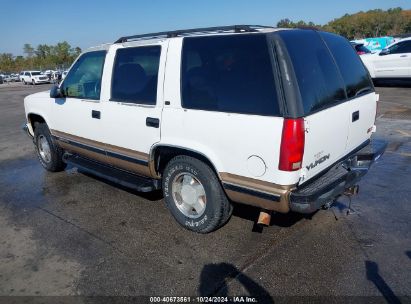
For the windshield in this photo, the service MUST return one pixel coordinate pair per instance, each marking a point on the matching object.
(35, 73)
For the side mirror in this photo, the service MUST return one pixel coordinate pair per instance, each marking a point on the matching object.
(384, 52)
(55, 92)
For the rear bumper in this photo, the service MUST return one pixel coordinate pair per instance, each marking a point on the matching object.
(328, 186)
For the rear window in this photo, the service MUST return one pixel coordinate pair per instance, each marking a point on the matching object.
(353, 72)
(228, 74)
(318, 78)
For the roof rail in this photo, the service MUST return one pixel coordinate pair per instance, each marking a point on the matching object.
(217, 29)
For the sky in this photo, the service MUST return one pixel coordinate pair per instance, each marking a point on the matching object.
(86, 23)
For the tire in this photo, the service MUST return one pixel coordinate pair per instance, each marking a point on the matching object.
(52, 161)
(33, 82)
(24, 82)
(215, 209)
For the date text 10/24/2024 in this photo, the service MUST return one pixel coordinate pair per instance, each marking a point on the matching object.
(235, 299)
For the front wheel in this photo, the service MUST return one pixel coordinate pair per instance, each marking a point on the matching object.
(49, 155)
(33, 82)
(194, 195)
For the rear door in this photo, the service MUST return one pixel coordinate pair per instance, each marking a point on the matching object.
(361, 98)
(326, 114)
(132, 108)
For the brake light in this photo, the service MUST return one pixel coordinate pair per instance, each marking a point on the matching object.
(292, 145)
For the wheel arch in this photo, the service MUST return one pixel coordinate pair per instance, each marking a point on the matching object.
(33, 118)
(161, 154)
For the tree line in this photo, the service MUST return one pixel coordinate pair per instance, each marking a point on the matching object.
(42, 57)
(373, 23)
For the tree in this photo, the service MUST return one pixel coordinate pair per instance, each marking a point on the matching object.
(28, 50)
(373, 23)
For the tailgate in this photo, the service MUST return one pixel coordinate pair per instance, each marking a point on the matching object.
(325, 139)
(335, 132)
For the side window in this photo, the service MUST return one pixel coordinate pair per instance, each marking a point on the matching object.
(84, 78)
(228, 74)
(353, 72)
(401, 47)
(317, 75)
(135, 75)
(27, 74)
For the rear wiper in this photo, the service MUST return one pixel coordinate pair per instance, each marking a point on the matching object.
(363, 90)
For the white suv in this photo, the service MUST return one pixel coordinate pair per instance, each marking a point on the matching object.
(392, 62)
(279, 119)
(33, 77)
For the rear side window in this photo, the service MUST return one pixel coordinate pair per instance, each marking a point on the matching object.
(317, 75)
(228, 74)
(353, 72)
(135, 75)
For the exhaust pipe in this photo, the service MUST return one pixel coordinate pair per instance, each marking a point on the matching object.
(264, 218)
(353, 190)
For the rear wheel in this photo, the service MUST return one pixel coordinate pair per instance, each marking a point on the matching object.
(24, 82)
(49, 154)
(33, 82)
(194, 195)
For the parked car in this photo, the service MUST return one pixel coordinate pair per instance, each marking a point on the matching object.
(10, 78)
(15, 77)
(392, 62)
(360, 48)
(34, 77)
(6, 78)
(48, 73)
(64, 74)
(56, 77)
(278, 119)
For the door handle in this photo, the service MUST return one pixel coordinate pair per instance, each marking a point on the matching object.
(355, 116)
(152, 122)
(95, 114)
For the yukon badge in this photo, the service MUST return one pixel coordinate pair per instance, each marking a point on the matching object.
(317, 162)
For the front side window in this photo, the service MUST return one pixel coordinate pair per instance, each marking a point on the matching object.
(84, 78)
(353, 72)
(317, 75)
(228, 74)
(135, 75)
(401, 48)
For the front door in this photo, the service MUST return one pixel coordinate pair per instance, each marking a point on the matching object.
(76, 120)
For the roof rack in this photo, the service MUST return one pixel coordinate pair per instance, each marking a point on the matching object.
(217, 29)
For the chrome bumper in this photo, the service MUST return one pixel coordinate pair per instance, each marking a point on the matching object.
(337, 180)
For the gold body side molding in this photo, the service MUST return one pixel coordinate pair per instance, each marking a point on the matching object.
(255, 192)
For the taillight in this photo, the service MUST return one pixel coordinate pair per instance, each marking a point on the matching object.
(292, 145)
